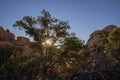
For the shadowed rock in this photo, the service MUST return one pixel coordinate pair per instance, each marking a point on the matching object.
(7, 40)
(6, 44)
(9, 36)
(96, 36)
(23, 39)
(2, 33)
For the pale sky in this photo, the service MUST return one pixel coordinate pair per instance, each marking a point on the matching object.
(84, 16)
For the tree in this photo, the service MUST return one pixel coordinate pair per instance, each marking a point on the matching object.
(73, 43)
(48, 34)
(109, 48)
(72, 47)
(114, 47)
(9, 66)
(72, 55)
(5, 53)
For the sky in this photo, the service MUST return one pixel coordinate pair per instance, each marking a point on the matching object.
(84, 16)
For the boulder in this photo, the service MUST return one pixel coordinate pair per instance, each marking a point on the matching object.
(23, 39)
(21, 46)
(96, 36)
(7, 40)
(2, 33)
(27, 50)
(109, 28)
(9, 36)
(6, 44)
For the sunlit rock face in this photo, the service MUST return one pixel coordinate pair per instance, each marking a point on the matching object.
(7, 40)
(96, 36)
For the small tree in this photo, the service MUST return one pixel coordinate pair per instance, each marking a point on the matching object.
(109, 48)
(114, 47)
(71, 55)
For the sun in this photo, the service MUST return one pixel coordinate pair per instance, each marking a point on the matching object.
(47, 42)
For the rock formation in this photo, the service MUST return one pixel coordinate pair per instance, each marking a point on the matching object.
(6, 44)
(9, 36)
(23, 39)
(96, 36)
(7, 40)
(2, 34)
(6, 35)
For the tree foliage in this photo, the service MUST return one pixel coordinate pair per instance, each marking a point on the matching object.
(45, 28)
(110, 48)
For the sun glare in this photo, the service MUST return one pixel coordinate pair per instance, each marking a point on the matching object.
(47, 42)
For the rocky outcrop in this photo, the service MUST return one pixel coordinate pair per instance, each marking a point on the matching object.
(6, 35)
(2, 33)
(9, 36)
(109, 28)
(23, 39)
(6, 44)
(7, 40)
(96, 36)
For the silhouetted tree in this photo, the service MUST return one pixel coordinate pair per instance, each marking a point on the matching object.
(48, 34)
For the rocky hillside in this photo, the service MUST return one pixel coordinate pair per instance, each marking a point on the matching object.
(8, 40)
(96, 36)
